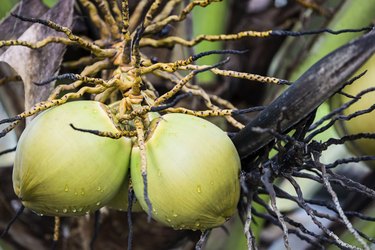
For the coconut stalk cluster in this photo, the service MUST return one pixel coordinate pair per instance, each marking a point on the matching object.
(78, 156)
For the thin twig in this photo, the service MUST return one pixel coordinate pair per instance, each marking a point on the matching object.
(275, 221)
(339, 209)
(202, 239)
(251, 243)
(269, 187)
(309, 211)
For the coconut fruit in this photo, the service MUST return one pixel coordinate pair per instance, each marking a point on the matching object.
(59, 171)
(363, 123)
(192, 173)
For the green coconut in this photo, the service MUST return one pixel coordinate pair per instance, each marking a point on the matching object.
(192, 173)
(59, 171)
(365, 122)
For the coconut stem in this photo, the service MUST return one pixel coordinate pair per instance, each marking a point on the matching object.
(56, 230)
(96, 228)
(19, 212)
(130, 221)
(142, 148)
(126, 54)
(136, 88)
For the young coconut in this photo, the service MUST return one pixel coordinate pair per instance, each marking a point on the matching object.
(192, 173)
(60, 171)
(363, 123)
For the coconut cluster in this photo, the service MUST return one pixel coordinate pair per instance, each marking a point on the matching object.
(192, 167)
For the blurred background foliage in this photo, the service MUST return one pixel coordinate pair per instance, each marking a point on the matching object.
(7, 5)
